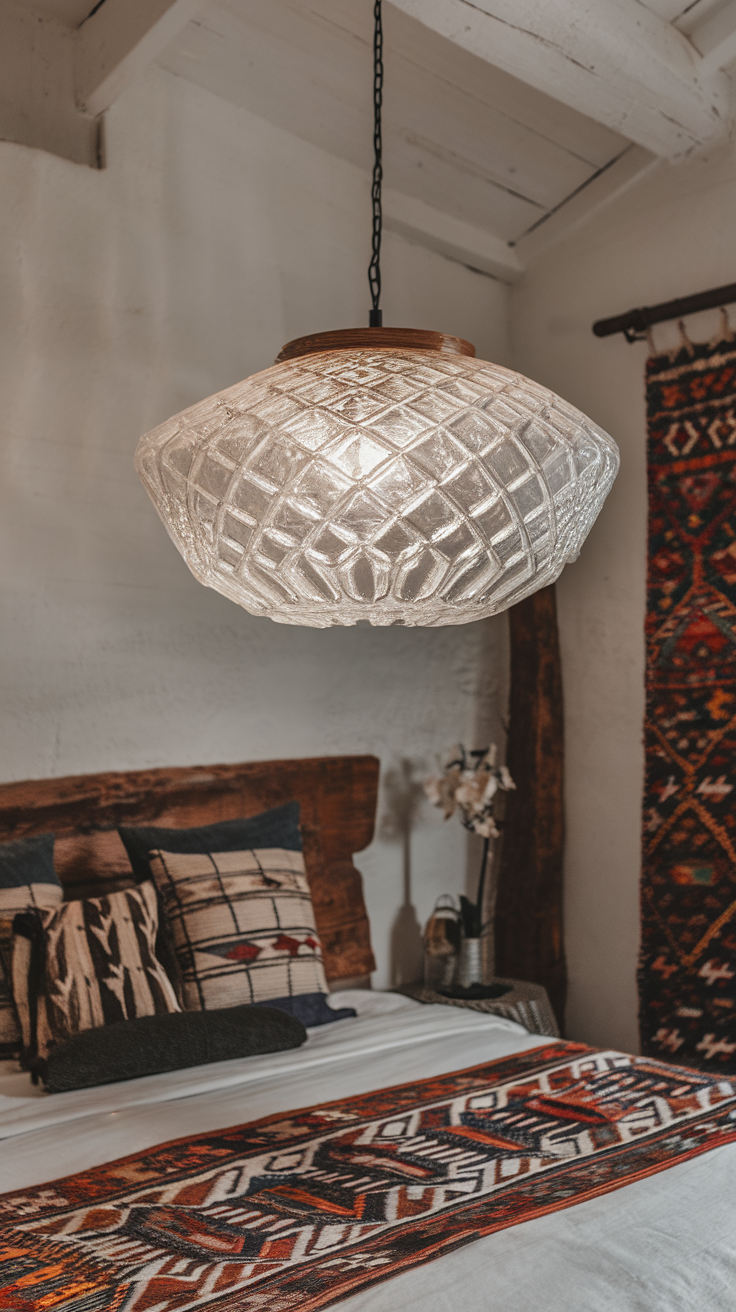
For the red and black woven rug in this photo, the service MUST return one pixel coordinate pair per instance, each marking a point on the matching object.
(295, 1212)
(687, 971)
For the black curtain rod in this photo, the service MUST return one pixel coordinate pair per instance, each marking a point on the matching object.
(634, 323)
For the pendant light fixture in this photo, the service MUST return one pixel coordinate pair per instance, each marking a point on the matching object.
(378, 474)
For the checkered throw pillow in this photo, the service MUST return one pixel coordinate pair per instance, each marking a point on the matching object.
(242, 924)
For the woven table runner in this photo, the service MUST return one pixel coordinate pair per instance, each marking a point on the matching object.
(299, 1210)
(687, 974)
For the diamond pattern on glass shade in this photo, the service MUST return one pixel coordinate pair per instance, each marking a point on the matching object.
(390, 485)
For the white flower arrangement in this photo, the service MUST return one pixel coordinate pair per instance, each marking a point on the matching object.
(468, 784)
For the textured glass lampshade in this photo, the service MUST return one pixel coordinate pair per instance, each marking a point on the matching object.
(389, 483)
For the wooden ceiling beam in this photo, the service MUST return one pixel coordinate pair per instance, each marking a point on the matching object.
(610, 183)
(55, 82)
(713, 32)
(614, 60)
(116, 43)
(464, 242)
(37, 88)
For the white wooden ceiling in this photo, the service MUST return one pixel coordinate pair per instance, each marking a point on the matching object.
(460, 135)
(674, 10)
(71, 13)
(505, 121)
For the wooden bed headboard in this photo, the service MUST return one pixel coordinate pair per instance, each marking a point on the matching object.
(337, 795)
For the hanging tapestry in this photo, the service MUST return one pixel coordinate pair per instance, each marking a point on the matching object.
(302, 1209)
(687, 966)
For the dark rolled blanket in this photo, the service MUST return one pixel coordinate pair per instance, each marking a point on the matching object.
(152, 1044)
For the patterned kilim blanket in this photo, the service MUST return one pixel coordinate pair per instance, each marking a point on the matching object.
(299, 1210)
(687, 975)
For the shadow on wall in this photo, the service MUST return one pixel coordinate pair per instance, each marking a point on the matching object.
(403, 794)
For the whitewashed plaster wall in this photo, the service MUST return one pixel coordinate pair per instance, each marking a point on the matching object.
(210, 239)
(670, 235)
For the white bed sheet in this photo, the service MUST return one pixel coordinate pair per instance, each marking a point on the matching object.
(663, 1244)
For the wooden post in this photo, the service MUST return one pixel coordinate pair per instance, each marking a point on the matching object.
(528, 922)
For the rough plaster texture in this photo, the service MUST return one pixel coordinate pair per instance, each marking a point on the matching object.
(670, 235)
(125, 295)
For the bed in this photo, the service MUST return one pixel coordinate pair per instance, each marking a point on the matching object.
(642, 1237)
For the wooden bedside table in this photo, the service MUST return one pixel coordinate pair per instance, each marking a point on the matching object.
(525, 1003)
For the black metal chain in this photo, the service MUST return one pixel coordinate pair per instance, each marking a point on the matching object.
(374, 268)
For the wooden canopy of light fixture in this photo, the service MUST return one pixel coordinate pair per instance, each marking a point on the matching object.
(343, 339)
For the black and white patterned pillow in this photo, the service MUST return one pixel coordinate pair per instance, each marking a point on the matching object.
(91, 962)
(243, 927)
(27, 880)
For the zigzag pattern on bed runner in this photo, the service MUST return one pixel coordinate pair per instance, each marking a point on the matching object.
(299, 1210)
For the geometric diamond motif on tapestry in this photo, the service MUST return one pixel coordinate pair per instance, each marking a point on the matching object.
(687, 966)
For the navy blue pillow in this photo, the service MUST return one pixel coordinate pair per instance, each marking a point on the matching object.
(28, 861)
(276, 828)
(309, 1008)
